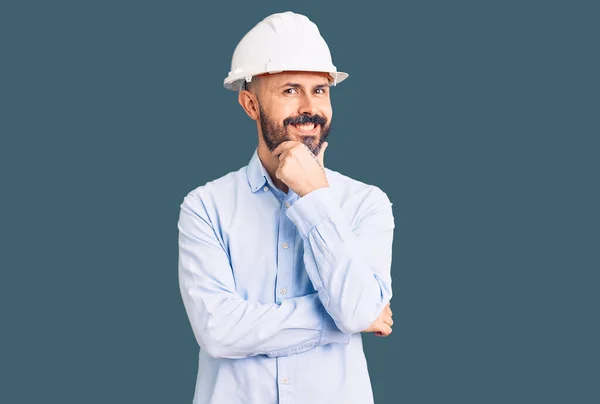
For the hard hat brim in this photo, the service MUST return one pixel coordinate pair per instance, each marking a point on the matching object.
(235, 82)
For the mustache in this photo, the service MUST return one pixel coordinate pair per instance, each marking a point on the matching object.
(305, 119)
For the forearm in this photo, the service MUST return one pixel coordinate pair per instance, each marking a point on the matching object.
(227, 326)
(351, 295)
(350, 273)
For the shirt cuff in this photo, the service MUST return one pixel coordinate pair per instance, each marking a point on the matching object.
(313, 209)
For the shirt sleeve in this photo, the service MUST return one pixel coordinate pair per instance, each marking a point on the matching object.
(224, 324)
(349, 268)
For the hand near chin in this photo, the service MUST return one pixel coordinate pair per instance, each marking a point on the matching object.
(299, 168)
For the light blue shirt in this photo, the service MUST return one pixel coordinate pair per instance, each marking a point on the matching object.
(277, 288)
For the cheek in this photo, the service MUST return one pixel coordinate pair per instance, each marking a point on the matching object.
(281, 110)
(325, 108)
(328, 113)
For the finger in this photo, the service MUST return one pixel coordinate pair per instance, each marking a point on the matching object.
(321, 154)
(388, 320)
(288, 144)
(387, 310)
(378, 334)
(386, 330)
(283, 155)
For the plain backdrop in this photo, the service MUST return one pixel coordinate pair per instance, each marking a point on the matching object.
(478, 119)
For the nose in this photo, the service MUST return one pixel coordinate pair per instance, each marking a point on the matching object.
(307, 106)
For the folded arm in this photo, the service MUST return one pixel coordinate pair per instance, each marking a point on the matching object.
(224, 324)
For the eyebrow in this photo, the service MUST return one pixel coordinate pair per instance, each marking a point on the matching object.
(296, 85)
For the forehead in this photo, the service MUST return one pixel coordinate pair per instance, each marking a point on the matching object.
(308, 79)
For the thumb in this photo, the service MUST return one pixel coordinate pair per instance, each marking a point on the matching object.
(321, 154)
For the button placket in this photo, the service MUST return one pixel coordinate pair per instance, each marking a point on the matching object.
(285, 256)
(284, 290)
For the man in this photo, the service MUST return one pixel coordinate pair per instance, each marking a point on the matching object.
(284, 262)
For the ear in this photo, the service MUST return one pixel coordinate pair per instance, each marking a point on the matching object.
(249, 103)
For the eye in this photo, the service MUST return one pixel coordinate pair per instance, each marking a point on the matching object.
(320, 91)
(290, 90)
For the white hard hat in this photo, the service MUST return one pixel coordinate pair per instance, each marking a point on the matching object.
(281, 42)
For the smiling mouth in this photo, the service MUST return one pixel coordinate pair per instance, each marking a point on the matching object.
(308, 128)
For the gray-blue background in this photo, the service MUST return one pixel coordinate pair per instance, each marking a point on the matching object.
(479, 120)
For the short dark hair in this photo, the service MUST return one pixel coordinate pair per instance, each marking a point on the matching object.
(251, 86)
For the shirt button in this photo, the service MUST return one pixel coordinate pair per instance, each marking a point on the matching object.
(285, 245)
(287, 204)
(265, 188)
(283, 291)
(285, 380)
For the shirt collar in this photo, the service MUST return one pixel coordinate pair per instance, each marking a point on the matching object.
(257, 174)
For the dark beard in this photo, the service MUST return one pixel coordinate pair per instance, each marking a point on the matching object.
(274, 135)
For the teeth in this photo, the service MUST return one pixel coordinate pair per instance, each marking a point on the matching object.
(309, 126)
